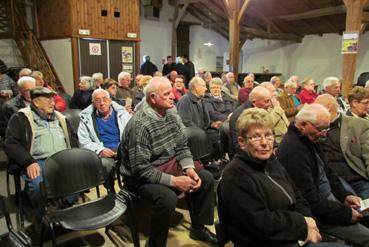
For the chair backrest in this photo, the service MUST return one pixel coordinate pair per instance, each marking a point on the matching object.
(222, 235)
(198, 142)
(71, 171)
(73, 118)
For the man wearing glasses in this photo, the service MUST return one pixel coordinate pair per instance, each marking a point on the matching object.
(33, 134)
(347, 147)
(336, 210)
(101, 128)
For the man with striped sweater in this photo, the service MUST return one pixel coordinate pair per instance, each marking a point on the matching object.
(151, 140)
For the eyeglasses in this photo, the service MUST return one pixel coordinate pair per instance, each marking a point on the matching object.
(320, 129)
(99, 101)
(259, 137)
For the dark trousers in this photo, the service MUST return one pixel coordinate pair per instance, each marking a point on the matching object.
(164, 201)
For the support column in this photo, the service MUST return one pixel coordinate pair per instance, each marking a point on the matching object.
(354, 16)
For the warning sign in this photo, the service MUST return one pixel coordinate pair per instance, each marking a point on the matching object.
(95, 49)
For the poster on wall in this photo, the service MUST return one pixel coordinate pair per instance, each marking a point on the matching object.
(95, 49)
(350, 41)
(127, 54)
(127, 68)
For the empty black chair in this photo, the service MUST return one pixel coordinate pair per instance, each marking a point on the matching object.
(17, 187)
(198, 142)
(70, 172)
(15, 238)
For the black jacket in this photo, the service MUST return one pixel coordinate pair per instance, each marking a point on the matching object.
(18, 142)
(233, 146)
(167, 68)
(262, 206)
(8, 108)
(148, 68)
(81, 99)
(219, 109)
(296, 153)
(191, 69)
(189, 108)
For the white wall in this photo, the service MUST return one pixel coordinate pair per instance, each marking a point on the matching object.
(60, 53)
(156, 40)
(316, 57)
(204, 57)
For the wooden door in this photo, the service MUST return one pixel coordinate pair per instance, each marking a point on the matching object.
(121, 57)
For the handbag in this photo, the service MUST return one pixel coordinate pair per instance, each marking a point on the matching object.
(173, 167)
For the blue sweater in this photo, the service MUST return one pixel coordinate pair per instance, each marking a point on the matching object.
(108, 131)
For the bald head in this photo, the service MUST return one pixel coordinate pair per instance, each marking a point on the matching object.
(268, 85)
(329, 102)
(159, 94)
(260, 97)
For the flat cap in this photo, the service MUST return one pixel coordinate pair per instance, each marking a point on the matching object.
(41, 91)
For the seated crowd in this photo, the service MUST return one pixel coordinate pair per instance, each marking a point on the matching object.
(296, 162)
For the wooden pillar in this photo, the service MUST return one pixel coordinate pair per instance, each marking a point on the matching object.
(235, 14)
(75, 61)
(234, 39)
(353, 23)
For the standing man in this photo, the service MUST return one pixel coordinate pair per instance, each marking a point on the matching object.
(168, 66)
(151, 140)
(148, 68)
(190, 67)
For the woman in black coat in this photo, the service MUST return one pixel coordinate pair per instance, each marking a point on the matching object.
(259, 204)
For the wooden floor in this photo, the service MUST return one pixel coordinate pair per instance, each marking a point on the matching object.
(178, 233)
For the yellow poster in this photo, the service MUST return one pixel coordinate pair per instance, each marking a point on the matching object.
(350, 41)
(127, 54)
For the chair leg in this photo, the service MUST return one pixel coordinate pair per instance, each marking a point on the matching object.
(53, 237)
(132, 222)
(98, 191)
(42, 233)
(18, 193)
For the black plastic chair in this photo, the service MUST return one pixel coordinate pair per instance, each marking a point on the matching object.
(15, 238)
(70, 172)
(73, 117)
(221, 232)
(198, 142)
(17, 187)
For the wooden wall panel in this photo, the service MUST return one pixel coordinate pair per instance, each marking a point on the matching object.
(87, 15)
(54, 18)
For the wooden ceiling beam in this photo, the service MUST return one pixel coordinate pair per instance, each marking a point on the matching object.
(277, 36)
(265, 19)
(324, 19)
(242, 11)
(312, 13)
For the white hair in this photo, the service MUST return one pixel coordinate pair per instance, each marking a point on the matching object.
(100, 90)
(310, 113)
(367, 84)
(195, 81)
(290, 84)
(21, 81)
(86, 79)
(329, 81)
(98, 76)
(123, 75)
